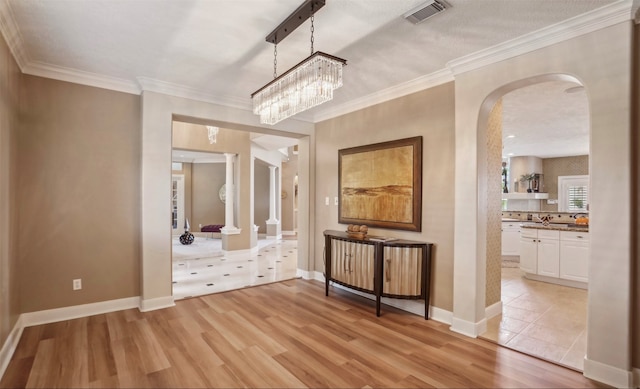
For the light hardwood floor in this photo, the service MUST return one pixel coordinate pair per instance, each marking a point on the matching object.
(285, 334)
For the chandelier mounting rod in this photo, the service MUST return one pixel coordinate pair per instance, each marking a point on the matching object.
(299, 16)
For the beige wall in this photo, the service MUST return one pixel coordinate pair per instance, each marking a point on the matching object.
(494, 205)
(428, 113)
(10, 81)
(207, 208)
(261, 183)
(552, 168)
(79, 191)
(289, 171)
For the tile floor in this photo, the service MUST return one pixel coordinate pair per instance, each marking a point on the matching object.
(541, 319)
(201, 268)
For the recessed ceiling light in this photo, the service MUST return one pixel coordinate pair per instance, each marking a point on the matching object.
(510, 154)
(510, 136)
(574, 89)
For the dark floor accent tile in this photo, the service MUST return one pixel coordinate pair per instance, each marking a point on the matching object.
(226, 275)
(260, 276)
(239, 267)
(174, 282)
(209, 284)
(209, 265)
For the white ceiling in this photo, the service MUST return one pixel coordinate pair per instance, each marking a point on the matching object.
(216, 49)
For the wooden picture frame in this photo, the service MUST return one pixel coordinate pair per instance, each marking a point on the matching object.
(380, 185)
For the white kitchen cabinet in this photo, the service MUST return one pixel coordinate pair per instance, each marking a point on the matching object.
(574, 251)
(555, 255)
(540, 252)
(549, 253)
(510, 238)
(529, 250)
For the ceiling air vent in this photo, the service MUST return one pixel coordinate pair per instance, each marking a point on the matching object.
(425, 11)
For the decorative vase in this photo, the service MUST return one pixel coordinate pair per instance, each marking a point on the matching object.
(186, 238)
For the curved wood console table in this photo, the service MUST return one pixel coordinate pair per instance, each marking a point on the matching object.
(386, 268)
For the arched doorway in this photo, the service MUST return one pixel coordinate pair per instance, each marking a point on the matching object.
(540, 314)
(608, 342)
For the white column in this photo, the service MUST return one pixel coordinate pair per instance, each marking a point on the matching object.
(229, 226)
(272, 195)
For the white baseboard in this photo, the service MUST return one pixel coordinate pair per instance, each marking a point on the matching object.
(440, 315)
(610, 375)
(156, 303)
(10, 345)
(468, 328)
(68, 313)
(493, 310)
(318, 276)
(288, 233)
(308, 275)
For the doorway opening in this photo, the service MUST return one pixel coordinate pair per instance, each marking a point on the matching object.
(205, 266)
(544, 133)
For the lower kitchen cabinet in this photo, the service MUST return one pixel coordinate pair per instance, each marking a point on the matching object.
(510, 238)
(574, 251)
(529, 250)
(555, 254)
(549, 253)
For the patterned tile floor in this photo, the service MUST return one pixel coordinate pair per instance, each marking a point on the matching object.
(201, 268)
(541, 319)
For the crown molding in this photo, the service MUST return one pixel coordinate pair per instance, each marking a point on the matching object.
(597, 19)
(168, 88)
(606, 16)
(11, 34)
(81, 77)
(416, 85)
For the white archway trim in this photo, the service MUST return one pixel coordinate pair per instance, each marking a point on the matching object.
(469, 284)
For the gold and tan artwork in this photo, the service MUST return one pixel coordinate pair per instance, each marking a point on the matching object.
(378, 185)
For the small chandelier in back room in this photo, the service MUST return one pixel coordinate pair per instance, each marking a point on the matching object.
(306, 85)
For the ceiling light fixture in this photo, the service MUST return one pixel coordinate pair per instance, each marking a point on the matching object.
(213, 134)
(306, 85)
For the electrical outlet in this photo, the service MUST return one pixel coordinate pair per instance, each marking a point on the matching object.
(326, 201)
(77, 284)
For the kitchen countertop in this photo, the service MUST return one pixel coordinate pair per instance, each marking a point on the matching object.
(556, 226)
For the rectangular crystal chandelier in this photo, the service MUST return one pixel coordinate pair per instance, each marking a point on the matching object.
(306, 85)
